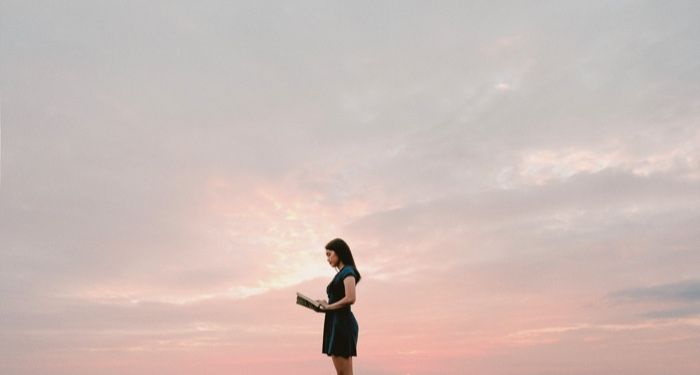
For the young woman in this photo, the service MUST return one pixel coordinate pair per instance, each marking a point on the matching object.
(340, 329)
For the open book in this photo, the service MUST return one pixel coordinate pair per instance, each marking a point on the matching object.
(308, 302)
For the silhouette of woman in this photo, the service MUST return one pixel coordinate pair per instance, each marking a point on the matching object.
(340, 329)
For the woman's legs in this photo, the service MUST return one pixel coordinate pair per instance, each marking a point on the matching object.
(343, 365)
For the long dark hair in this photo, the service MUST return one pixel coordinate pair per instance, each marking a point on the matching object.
(342, 249)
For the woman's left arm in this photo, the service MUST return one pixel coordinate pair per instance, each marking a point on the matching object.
(349, 298)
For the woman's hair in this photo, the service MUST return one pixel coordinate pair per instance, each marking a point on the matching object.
(342, 249)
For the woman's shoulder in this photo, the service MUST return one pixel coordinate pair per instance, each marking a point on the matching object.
(347, 271)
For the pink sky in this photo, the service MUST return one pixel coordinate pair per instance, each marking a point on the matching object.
(520, 187)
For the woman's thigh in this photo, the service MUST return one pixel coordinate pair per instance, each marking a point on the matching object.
(343, 365)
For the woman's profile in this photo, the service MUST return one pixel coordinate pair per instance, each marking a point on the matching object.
(340, 329)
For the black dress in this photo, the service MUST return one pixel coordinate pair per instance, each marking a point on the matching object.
(340, 329)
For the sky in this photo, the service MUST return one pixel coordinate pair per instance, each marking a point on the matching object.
(519, 183)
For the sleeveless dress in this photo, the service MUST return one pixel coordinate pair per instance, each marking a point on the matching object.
(340, 329)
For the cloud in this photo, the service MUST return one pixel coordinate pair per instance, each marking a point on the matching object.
(587, 331)
(687, 290)
(502, 172)
(681, 312)
(675, 300)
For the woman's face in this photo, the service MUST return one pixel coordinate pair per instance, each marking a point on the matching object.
(332, 258)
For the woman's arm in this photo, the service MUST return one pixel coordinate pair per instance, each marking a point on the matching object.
(349, 298)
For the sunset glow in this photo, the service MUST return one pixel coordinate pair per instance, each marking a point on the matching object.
(519, 185)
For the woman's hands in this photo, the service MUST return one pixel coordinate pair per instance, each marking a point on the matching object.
(323, 302)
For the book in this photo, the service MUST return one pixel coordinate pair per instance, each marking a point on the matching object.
(308, 302)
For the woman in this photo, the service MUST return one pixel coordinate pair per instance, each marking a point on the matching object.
(340, 329)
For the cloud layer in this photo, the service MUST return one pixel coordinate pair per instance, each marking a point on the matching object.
(520, 185)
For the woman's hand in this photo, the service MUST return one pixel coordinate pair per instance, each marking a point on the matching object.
(323, 303)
